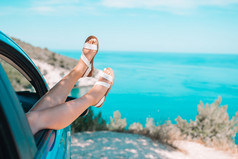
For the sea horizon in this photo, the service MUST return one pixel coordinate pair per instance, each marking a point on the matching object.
(62, 51)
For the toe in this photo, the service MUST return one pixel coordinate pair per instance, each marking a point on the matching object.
(90, 53)
(92, 40)
(109, 71)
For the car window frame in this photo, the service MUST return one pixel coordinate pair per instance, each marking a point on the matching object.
(16, 129)
(11, 51)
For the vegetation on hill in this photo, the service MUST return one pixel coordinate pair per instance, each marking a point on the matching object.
(18, 81)
(90, 122)
(46, 55)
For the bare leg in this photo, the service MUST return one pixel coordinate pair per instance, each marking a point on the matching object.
(62, 115)
(58, 94)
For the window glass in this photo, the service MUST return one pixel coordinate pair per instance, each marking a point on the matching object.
(18, 81)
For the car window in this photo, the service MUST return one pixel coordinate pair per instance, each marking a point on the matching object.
(15, 133)
(18, 81)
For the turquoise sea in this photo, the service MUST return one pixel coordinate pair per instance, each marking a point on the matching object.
(166, 85)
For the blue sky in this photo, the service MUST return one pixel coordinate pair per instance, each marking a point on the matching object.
(192, 26)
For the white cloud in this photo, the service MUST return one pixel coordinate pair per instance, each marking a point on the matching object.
(62, 7)
(56, 2)
(166, 4)
(43, 9)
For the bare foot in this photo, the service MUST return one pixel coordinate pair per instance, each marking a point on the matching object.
(98, 91)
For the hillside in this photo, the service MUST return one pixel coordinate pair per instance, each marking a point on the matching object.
(52, 58)
(53, 67)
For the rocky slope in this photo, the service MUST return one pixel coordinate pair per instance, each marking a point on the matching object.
(40, 54)
(54, 66)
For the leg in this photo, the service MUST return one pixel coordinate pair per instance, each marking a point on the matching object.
(62, 115)
(58, 94)
(57, 117)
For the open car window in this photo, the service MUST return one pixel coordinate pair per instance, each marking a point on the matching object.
(23, 75)
(16, 137)
(17, 79)
(25, 90)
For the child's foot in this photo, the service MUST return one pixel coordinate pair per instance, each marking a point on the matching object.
(90, 49)
(100, 90)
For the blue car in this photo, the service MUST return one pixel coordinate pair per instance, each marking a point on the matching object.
(16, 138)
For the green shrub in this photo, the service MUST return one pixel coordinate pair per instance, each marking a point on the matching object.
(61, 63)
(136, 127)
(165, 133)
(211, 126)
(45, 72)
(116, 123)
(150, 126)
(52, 60)
(90, 122)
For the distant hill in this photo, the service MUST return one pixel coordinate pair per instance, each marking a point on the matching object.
(53, 67)
(43, 54)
